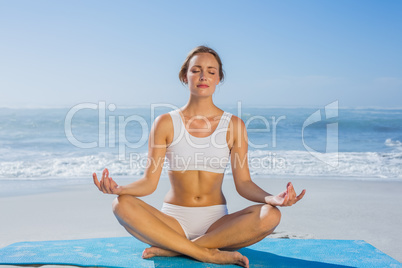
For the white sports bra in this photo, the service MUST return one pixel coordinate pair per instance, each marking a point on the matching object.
(187, 152)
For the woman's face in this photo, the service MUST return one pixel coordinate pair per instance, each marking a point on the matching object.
(203, 74)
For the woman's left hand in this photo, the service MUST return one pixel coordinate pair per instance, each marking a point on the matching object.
(286, 198)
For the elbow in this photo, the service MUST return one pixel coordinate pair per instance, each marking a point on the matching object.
(243, 195)
(152, 190)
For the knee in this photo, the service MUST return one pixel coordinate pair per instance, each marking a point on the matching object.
(270, 218)
(122, 204)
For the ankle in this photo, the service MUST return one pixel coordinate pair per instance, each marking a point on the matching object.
(207, 255)
(211, 254)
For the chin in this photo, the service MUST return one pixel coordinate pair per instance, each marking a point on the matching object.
(203, 93)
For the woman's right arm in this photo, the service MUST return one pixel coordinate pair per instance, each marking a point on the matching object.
(157, 143)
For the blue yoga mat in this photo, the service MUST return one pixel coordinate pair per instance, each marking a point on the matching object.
(127, 251)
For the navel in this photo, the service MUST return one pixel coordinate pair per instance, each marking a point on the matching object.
(197, 198)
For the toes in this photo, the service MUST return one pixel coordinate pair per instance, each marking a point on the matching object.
(146, 254)
(245, 261)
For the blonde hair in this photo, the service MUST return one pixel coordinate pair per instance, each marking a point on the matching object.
(200, 49)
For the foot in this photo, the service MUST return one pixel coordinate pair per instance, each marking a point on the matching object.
(228, 257)
(214, 256)
(160, 252)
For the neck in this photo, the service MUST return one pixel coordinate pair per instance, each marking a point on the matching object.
(200, 106)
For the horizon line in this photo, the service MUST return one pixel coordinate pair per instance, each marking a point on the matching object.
(226, 106)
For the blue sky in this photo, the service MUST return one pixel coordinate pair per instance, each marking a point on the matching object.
(275, 53)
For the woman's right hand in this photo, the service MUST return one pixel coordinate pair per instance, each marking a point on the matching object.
(107, 185)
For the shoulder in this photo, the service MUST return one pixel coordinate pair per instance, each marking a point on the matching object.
(161, 131)
(162, 125)
(163, 120)
(237, 131)
(236, 123)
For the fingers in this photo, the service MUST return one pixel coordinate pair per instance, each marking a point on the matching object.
(288, 195)
(106, 184)
(283, 194)
(301, 195)
(111, 188)
(291, 191)
(113, 185)
(105, 173)
(286, 200)
(98, 184)
(96, 180)
(292, 197)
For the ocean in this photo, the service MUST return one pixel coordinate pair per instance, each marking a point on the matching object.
(72, 143)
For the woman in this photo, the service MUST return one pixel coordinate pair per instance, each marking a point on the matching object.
(198, 140)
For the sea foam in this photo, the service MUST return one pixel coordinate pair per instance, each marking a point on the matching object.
(260, 162)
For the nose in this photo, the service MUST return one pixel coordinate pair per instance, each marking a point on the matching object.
(202, 76)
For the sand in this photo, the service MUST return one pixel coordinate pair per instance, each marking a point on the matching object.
(332, 209)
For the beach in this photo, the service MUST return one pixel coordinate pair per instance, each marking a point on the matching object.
(315, 84)
(333, 208)
(353, 190)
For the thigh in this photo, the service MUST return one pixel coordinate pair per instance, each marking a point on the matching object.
(227, 219)
(155, 213)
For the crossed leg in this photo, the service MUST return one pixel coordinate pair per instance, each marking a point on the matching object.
(234, 231)
(146, 223)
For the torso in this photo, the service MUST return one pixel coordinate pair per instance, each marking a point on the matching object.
(197, 188)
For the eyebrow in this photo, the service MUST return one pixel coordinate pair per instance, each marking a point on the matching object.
(199, 66)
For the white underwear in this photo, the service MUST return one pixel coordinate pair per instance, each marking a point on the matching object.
(195, 221)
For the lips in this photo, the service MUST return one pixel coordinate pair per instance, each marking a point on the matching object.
(202, 86)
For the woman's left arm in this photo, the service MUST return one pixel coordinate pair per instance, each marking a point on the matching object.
(241, 173)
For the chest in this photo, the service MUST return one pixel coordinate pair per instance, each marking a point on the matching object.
(200, 127)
